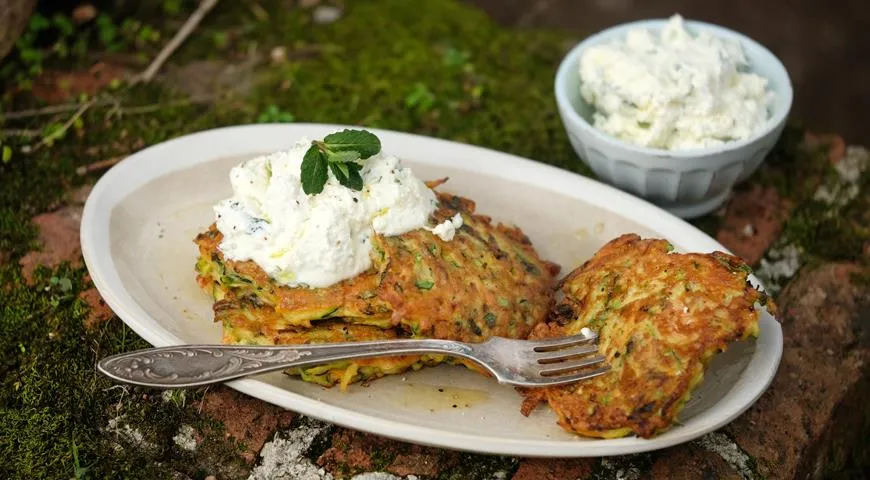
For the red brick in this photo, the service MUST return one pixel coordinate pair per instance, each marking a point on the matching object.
(753, 220)
(788, 430)
(417, 463)
(555, 469)
(58, 86)
(353, 451)
(690, 462)
(59, 240)
(99, 311)
(245, 418)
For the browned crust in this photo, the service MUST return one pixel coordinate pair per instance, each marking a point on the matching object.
(501, 287)
(661, 317)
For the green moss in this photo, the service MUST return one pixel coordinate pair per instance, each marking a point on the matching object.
(792, 167)
(631, 466)
(480, 467)
(381, 460)
(752, 465)
(826, 233)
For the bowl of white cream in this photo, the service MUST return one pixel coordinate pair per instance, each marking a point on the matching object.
(674, 111)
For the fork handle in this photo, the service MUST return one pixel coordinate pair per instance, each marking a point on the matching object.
(194, 365)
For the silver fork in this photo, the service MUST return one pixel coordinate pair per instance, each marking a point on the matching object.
(524, 363)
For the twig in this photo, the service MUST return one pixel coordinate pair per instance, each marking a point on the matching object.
(19, 132)
(71, 107)
(59, 132)
(189, 26)
(49, 110)
(99, 165)
(259, 12)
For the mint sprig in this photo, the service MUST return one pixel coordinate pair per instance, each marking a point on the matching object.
(339, 153)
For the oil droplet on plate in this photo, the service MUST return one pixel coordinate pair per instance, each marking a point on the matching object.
(435, 398)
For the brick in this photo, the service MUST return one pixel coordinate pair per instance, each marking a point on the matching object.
(753, 220)
(99, 312)
(58, 235)
(353, 451)
(555, 469)
(59, 241)
(426, 464)
(245, 418)
(827, 343)
(60, 86)
(689, 462)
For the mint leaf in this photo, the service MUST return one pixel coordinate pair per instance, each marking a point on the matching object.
(360, 141)
(314, 171)
(340, 171)
(355, 181)
(342, 157)
(348, 174)
(340, 153)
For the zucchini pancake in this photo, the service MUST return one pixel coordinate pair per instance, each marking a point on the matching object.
(660, 317)
(488, 280)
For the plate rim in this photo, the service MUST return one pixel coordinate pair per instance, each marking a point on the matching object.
(103, 199)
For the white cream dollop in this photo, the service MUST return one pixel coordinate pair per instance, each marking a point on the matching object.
(673, 91)
(316, 240)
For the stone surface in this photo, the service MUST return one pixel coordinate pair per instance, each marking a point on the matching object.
(549, 469)
(826, 328)
(753, 220)
(427, 464)
(98, 312)
(79, 196)
(60, 86)
(58, 238)
(58, 234)
(286, 456)
(353, 451)
(246, 419)
(691, 462)
(207, 79)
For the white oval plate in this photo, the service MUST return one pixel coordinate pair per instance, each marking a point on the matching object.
(137, 237)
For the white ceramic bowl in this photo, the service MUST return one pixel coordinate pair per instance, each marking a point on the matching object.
(688, 183)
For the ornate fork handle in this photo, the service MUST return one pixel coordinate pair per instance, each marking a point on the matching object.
(194, 365)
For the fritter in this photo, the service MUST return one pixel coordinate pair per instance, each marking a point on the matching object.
(241, 326)
(488, 280)
(660, 317)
